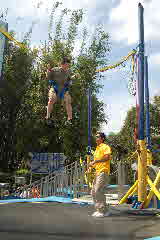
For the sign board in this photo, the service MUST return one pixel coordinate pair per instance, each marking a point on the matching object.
(3, 185)
(3, 40)
(44, 163)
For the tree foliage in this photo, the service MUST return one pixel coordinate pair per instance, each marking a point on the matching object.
(23, 127)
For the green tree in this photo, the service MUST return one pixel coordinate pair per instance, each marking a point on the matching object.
(25, 92)
(17, 73)
(69, 140)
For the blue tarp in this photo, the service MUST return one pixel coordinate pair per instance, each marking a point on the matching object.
(153, 238)
(10, 197)
(47, 199)
(116, 186)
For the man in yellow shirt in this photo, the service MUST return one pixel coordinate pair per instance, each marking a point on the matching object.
(101, 163)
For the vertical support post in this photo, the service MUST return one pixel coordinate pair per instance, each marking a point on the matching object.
(121, 179)
(148, 138)
(31, 176)
(142, 156)
(148, 134)
(141, 74)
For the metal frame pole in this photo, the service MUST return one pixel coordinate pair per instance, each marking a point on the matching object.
(142, 156)
(148, 137)
(141, 73)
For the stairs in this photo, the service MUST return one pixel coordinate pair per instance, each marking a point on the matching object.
(67, 183)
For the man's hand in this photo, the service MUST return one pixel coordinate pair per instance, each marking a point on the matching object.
(89, 170)
(91, 164)
(76, 75)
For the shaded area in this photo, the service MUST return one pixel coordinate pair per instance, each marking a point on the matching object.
(71, 221)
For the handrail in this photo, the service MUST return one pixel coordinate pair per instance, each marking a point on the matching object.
(67, 183)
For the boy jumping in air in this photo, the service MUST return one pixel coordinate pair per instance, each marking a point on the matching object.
(60, 79)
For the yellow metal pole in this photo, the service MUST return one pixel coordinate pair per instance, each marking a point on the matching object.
(88, 159)
(129, 193)
(149, 157)
(153, 187)
(151, 193)
(81, 161)
(142, 171)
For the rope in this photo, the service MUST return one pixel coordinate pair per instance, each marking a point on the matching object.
(6, 34)
(133, 52)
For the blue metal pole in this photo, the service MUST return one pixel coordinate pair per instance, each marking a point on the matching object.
(142, 156)
(148, 138)
(89, 120)
(141, 73)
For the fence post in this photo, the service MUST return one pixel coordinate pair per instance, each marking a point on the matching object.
(122, 177)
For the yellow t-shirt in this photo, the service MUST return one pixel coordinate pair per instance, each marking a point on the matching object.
(99, 153)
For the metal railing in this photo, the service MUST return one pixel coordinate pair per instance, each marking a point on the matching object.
(67, 183)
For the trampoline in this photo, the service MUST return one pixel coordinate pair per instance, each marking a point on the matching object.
(68, 221)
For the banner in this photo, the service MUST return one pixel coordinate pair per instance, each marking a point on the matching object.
(45, 163)
(3, 40)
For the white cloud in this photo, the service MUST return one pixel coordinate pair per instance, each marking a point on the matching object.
(79, 4)
(34, 8)
(125, 20)
(117, 110)
(155, 59)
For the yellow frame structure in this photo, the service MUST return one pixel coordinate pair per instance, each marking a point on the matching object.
(145, 157)
(7, 35)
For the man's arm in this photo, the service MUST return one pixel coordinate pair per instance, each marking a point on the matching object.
(104, 159)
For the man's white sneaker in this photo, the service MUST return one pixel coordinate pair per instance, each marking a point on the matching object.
(99, 215)
(94, 214)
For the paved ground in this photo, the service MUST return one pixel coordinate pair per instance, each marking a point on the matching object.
(45, 221)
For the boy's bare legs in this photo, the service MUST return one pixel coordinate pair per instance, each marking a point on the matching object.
(49, 109)
(52, 100)
(67, 101)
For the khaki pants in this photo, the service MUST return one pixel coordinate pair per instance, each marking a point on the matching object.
(98, 190)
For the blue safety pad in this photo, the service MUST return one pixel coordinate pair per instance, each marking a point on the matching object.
(153, 238)
(47, 199)
(115, 186)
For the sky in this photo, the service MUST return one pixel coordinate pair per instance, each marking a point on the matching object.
(120, 20)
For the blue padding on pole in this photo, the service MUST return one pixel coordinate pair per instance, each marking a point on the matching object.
(47, 199)
(148, 137)
(141, 74)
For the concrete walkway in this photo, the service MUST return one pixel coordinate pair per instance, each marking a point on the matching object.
(111, 199)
